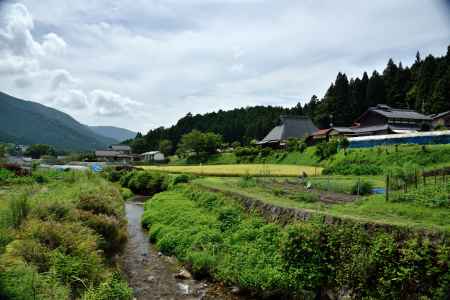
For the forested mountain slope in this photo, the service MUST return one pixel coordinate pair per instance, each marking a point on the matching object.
(26, 122)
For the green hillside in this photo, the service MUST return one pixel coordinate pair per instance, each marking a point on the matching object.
(26, 122)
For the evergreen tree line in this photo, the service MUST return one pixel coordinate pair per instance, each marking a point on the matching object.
(424, 87)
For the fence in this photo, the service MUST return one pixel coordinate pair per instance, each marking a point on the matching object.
(416, 181)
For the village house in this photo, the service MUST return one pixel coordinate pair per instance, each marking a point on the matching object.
(378, 120)
(116, 153)
(290, 127)
(442, 119)
(152, 156)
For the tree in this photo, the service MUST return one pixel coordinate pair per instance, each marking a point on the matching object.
(199, 143)
(139, 146)
(212, 142)
(165, 147)
(38, 150)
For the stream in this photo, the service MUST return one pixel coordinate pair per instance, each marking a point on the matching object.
(152, 275)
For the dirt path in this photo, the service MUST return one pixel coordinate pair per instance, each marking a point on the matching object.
(151, 275)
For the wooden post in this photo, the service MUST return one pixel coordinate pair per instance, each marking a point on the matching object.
(386, 192)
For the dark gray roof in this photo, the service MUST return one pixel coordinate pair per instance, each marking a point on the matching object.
(395, 113)
(120, 147)
(375, 128)
(291, 127)
(437, 116)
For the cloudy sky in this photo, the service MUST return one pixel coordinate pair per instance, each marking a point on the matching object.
(140, 64)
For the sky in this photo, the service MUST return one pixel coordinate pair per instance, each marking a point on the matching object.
(141, 64)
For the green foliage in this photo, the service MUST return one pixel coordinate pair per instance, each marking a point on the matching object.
(165, 147)
(38, 150)
(327, 149)
(55, 238)
(384, 159)
(215, 237)
(126, 193)
(113, 287)
(199, 143)
(362, 188)
(19, 208)
(144, 182)
(180, 178)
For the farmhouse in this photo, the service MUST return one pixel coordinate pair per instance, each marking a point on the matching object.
(442, 119)
(290, 127)
(116, 153)
(152, 156)
(398, 120)
(378, 120)
(124, 149)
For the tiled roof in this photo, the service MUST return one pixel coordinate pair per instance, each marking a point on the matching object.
(291, 127)
(437, 116)
(121, 147)
(395, 113)
(107, 153)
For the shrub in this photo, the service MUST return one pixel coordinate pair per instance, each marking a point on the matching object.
(40, 179)
(113, 287)
(302, 252)
(307, 197)
(201, 263)
(362, 188)
(228, 218)
(126, 193)
(326, 149)
(125, 179)
(147, 183)
(112, 231)
(247, 181)
(97, 204)
(18, 209)
(181, 178)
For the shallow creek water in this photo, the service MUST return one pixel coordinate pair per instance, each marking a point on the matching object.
(152, 275)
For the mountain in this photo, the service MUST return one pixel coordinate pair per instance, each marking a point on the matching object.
(27, 122)
(119, 134)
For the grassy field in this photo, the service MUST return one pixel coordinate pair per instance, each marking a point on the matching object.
(215, 237)
(59, 232)
(240, 170)
(367, 209)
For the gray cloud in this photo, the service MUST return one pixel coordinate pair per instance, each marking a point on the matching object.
(202, 55)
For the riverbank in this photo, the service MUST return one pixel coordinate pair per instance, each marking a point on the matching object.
(152, 275)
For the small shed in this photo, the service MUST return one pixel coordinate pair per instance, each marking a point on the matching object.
(151, 156)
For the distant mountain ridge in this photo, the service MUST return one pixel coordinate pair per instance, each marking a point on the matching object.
(117, 133)
(27, 122)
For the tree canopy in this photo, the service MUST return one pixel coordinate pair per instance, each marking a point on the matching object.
(424, 86)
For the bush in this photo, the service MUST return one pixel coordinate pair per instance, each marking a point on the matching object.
(326, 149)
(113, 287)
(307, 197)
(126, 193)
(147, 183)
(18, 209)
(362, 188)
(181, 178)
(40, 179)
(110, 229)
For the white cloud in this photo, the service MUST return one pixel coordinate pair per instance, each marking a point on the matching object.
(107, 103)
(202, 55)
(71, 99)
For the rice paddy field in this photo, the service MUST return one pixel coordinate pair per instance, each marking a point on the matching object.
(264, 170)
